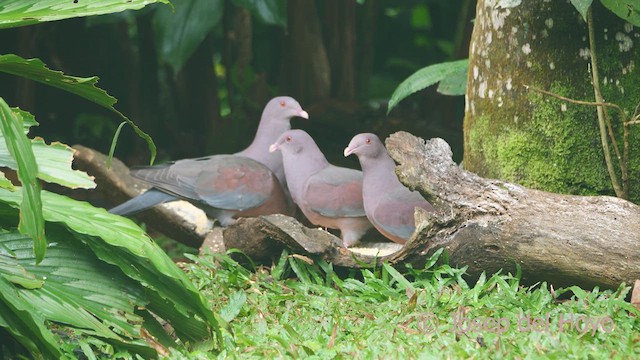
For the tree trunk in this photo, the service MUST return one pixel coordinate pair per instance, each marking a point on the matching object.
(238, 53)
(306, 74)
(340, 36)
(365, 54)
(147, 68)
(198, 105)
(516, 134)
(25, 88)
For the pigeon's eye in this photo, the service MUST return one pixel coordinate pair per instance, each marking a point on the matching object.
(282, 103)
(288, 139)
(368, 141)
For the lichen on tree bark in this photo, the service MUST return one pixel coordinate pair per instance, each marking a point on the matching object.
(517, 135)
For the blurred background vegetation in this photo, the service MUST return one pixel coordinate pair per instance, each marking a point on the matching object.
(197, 76)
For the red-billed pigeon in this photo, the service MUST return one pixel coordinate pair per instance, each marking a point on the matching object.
(328, 195)
(248, 183)
(389, 204)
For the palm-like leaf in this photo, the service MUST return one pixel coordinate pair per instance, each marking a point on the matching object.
(79, 293)
(119, 241)
(26, 12)
(94, 297)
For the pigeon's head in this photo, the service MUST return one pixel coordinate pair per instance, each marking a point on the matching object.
(365, 146)
(283, 108)
(291, 141)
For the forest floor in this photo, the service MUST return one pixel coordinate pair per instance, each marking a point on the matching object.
(301, 307)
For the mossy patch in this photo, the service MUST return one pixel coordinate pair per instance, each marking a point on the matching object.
(543, 152)
(536, 140)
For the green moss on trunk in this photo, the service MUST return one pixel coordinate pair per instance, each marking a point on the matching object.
(515, 134)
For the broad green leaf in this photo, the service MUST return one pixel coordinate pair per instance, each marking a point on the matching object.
(582, 6)
(28, 120)
(22, 320)
(186, 326)
(156, 329)
(12, 271)
(54, 165)
(36, 70)
(273, 12)
(628, 10)
(26, 12)
(180, 32)
(301, 272)
(454, 84)
(54, 161)
(6, 160)
(79, 290)
(119, 241)
(4, 182)
(19, 146)
(9, 266)
(424, 78)
(578, 292)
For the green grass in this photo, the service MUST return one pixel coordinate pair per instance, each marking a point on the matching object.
(300, 308)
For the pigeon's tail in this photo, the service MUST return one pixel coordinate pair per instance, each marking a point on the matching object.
(143, 201)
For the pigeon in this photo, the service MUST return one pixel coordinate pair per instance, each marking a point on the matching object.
(389, 205)
(248, 183)
(328, 195)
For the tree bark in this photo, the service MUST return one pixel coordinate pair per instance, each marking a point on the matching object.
(489, 225)
(366, 35)
(147, 69)
(196, 94)
(238, 52)
(340, 35)
(306, 74)
(516, 134)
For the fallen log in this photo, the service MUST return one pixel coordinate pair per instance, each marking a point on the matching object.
(188, 225)
(487, 225)
(490, 225)
(264, 237)
(484, 224)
